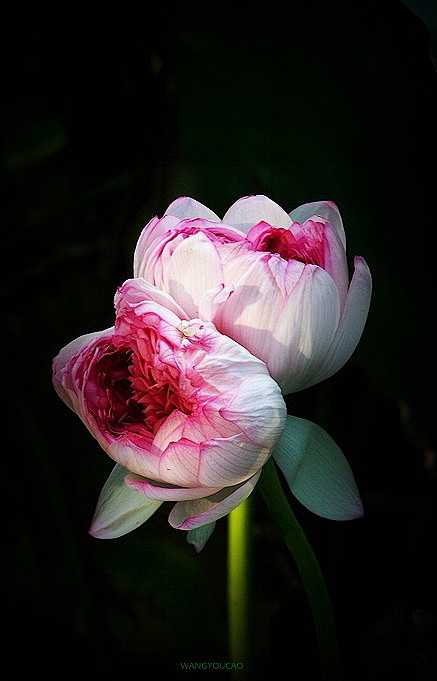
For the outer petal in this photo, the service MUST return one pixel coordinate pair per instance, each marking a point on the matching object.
(352, 322)
(120, 509)
(326, 209)
(259, 410)
(248, 211)
(184, 207)
(64, 365)
(142, 459)
(317, 471)
(284, 313)
(230, 460)
(154, 229)
(193, 269)
(187, 515)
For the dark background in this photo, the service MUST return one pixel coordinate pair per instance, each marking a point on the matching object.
(106, 118)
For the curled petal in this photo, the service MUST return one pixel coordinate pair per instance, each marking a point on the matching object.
(139, 294)
(164, 492)
(317, 471)
(326, 209)
(212, 299)
(120, 509)
(248, 211)
(187, 515)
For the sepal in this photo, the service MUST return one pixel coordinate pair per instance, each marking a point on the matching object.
(120, 509)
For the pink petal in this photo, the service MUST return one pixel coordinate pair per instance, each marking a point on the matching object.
(138, 293)
(186, 515)
(155, 229)
(64, 368)
(165, 492)
(326, 209)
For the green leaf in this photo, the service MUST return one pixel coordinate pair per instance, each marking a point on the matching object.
(317, 471)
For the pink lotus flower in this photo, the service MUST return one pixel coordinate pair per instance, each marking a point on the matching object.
(278, 284)
(189, 415)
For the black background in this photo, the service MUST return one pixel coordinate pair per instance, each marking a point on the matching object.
(106, 118)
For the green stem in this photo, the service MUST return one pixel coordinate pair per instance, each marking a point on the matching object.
(308, 566)
(239, 523)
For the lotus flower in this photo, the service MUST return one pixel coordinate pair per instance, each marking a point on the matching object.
(189, 415)
(276, 283)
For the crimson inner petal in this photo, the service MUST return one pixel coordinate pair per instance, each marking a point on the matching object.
(307, 248)
(127, 395)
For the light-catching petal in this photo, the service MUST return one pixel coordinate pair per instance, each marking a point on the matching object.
(248, 211)
(120, 509)
(185, 207)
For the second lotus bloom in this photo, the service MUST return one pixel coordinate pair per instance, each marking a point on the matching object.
(276, 283)
(189, 415)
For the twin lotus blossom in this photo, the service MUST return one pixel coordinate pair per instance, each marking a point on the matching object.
(184, 391)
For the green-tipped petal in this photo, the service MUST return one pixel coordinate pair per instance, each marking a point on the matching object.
(120, 509)
(317, 471)
(200, 535)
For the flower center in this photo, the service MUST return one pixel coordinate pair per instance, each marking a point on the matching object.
(299, 244)
(129, 394)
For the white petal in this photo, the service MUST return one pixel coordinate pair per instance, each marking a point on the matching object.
(352, 322)
(120, 509)
(185, 207)
(317, 471)
(248, 211)
(194, 268)
(307, 326)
